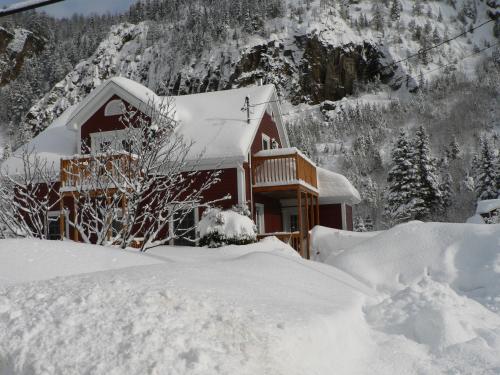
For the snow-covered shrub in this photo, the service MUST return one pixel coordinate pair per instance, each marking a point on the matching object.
(219, 228)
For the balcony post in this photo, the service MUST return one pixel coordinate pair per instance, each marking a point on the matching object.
(61, 217)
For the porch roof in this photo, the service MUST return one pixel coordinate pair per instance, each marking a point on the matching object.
(335, 188)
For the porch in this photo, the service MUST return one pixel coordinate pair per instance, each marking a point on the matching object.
(286, 197)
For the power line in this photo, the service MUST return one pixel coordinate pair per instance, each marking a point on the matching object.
(23, 6)
(419, 53)
(463, 58)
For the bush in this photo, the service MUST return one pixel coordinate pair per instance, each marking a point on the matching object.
(220, 228)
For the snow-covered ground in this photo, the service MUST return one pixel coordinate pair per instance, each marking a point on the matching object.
(417, 299)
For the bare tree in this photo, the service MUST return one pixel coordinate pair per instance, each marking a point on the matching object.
(147, 181)
(27, 195)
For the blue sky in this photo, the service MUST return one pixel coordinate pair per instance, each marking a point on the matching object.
(68, 7)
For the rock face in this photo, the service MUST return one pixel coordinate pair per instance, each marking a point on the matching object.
(303, 68)
(15, 48)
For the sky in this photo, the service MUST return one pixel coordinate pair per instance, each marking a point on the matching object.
(69, 7)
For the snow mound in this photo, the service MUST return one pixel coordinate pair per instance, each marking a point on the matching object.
(465, 256)
(237, 310)
(327, 242)
(432, 314)
(488, 205)
(31, 260)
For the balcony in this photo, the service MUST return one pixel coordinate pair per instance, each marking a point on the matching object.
(94, 172)
(283, 169)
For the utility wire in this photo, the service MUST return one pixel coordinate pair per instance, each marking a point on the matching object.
(463, 58)
(419, 53)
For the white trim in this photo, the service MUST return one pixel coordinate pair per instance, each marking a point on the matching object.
(261, 228)
(242, 191)
(344, 216)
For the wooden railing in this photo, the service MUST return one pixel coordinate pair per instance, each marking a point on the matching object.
(94, 172)
(283, 169)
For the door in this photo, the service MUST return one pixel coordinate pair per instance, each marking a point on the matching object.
(259, 218)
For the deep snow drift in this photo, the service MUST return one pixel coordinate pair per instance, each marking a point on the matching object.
(417, 299)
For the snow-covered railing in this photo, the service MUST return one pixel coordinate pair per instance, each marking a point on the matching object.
(95, 172)
(283, 167)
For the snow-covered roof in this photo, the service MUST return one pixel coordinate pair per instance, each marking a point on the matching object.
(217, 125)
(52, 144)
(214, 121)
(488, 205)
(335, 188)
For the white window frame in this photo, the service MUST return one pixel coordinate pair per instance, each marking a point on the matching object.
(266, 138)
(114, 136)
(261, 213)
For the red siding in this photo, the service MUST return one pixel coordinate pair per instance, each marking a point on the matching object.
(268, 127)
(273, 220)
(228, 185)
(330, 215)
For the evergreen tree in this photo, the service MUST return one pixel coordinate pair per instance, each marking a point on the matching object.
(396, 8)
(427, 184)
(446, 185)
(486, 180)
(400, 194)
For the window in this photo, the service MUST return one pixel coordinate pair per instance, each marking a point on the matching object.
(115, 140)
(266, 142)
(294, 223)
(185, 226)
(53, 226)
(114, 108)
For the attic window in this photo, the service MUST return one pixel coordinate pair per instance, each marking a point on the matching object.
(114, 108)
(266, 142)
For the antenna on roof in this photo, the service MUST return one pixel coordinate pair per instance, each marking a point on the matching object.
(246, 107)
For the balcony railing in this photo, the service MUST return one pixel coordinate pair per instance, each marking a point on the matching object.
(95, 172)
(283, 167)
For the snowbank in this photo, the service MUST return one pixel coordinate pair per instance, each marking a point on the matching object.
(465, 256)
(327, 242)
(31, 260)
(237, 310)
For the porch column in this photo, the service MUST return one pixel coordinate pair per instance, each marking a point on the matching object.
(75, 219)
(61, 217)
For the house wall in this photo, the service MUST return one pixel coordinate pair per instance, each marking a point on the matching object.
(268, 127)
(273, 221)
(330, 215)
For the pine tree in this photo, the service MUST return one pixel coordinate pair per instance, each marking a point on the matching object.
(427, 184)
(447, 184)
(378, 19)
(396, 8)
(401, 190)
(486, 180)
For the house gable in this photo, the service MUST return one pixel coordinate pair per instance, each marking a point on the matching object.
(100, 122)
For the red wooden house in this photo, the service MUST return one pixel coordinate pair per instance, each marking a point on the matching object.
(287, 192)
